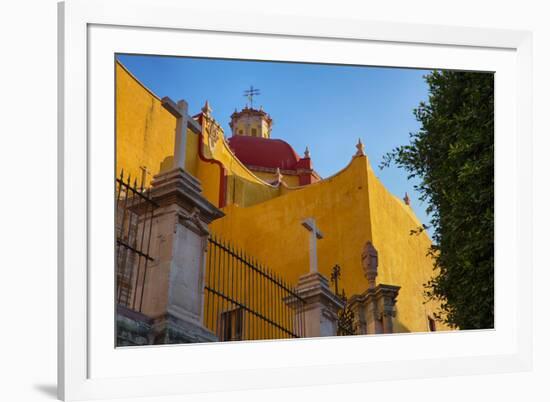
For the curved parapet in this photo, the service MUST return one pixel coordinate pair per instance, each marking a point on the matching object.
(272, 230)
(242, 186)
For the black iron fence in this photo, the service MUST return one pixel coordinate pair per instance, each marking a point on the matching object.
(346, 324)
(245, 300)
(134, 220)
(346, 319)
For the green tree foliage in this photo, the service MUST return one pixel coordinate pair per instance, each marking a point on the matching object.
(452, 156)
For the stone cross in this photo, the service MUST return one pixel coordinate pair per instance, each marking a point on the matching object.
(179, 110)
(315, 234)
(181, 136)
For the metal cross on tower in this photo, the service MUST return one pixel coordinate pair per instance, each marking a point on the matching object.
(250, 94)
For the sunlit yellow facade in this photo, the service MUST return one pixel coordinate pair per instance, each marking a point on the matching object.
(351, 207)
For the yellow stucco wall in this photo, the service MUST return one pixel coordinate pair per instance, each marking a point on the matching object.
(401, 256)
(145, 134)
(145, 131)
(272, 230)
(350, 208)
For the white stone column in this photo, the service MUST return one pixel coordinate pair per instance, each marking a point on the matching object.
(320, 307)
(181, 235)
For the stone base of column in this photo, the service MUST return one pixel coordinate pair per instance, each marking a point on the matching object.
(136, 329)
(174, 331)
(321, 305)
(375, 309)
(133, 328)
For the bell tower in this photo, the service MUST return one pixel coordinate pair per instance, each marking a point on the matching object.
(249, 121)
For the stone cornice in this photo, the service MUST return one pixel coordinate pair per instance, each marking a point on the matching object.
(314, 288)
(251, 112)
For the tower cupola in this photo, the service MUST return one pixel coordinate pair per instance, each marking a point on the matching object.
(249, 121)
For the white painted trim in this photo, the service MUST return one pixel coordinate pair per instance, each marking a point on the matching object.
(74, 353)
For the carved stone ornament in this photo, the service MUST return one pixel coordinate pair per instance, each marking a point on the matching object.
(213, 134)
(194, 219)
(369, 259)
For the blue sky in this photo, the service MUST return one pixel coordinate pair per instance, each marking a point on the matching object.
(326, 107)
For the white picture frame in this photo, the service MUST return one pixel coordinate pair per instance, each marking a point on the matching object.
(89, 368)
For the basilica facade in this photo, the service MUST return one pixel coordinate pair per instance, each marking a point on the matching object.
(340, 247)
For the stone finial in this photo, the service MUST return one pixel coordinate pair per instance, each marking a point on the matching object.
(360, 148)
(406, 199)
(306, 152)
(279, 175)
(369, 259)
(206, 109)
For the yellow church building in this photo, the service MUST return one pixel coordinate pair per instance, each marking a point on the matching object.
(283, 252)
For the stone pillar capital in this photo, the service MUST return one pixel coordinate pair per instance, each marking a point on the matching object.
(177, 188)
(376, 309)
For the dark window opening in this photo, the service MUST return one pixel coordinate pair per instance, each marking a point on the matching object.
(232, 325)
(431, 324)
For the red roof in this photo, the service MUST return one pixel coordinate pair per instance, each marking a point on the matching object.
(264, 152)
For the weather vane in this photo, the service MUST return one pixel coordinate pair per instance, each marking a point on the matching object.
(250, 94)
